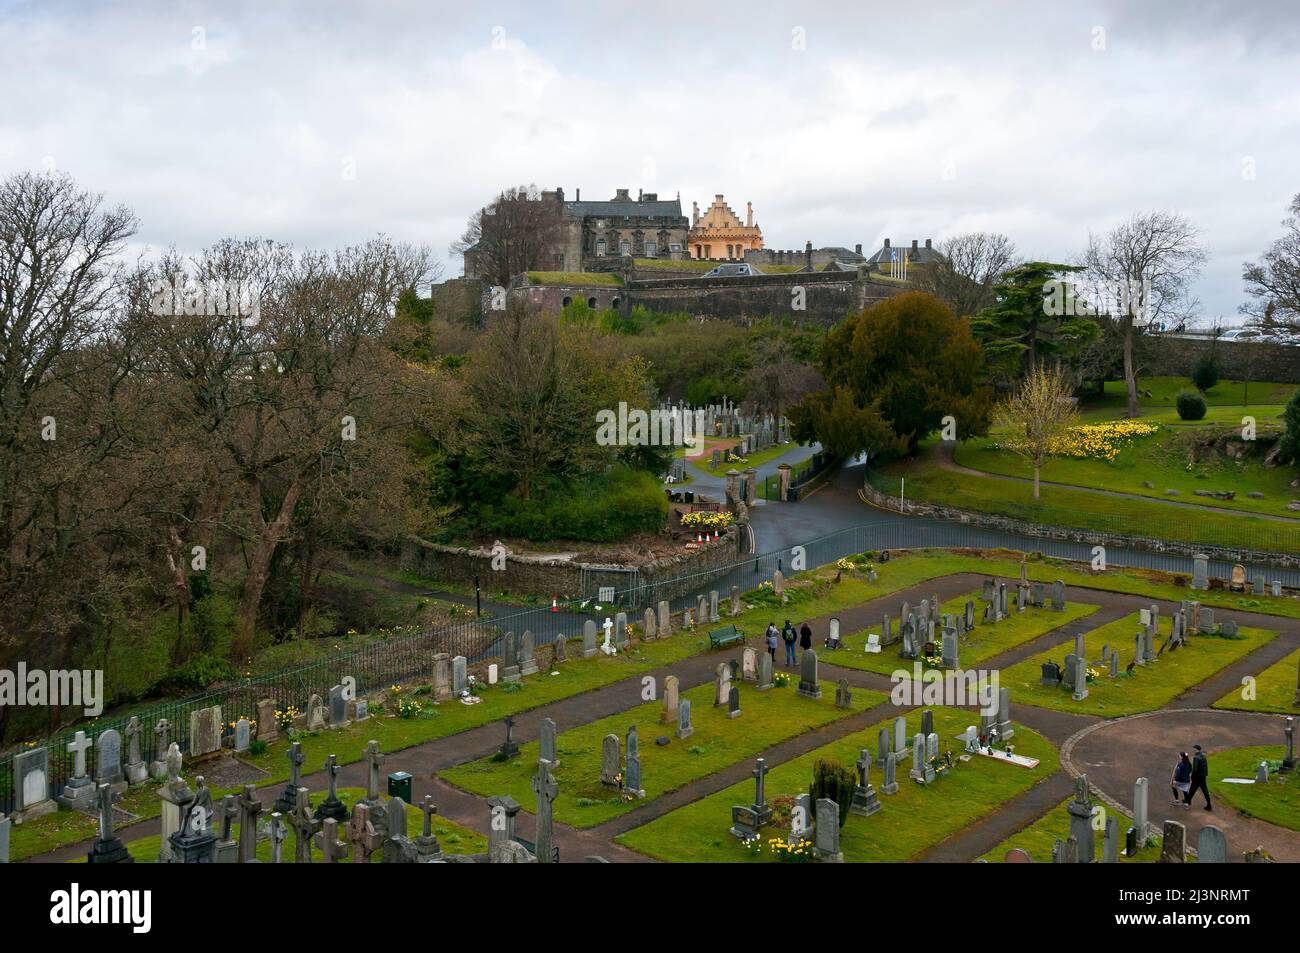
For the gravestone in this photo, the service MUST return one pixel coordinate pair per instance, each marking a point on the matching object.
(79, 792)
(749, 664)
(250, 808)
(205, 731)
(733, 702)
(547, 790)
(510, 659)
(1080, 811)
(288, 798)
(459, 675)
(589, 638)
(1058, 596)
(1200, 572)
(843, 694)
(1140, 793)
(1173, 846)
(713, 607)
(333, 849)
(136, 770)
(827, 838)
(243, 735)
(648, 624)
(442, 687)
(1080, 680)
(900, 735)
(363, 836)
(764, 672)
(527, 654)
(669, 715)
(809, 686)
(162, 741)
(665, 620)
(1211, 846)
(927, 722)
(268, 729)
(865, 802)
(509, 747)
(1050, 674)
(632, 770)
(331, 806)
(31, 784)
(736, 606)
(721, 684)
(890, 785)
(108, 758)
(547, 737)
(338, 707)
(108, 848)
(949, 651)
(684, 727)
(620, 629)
(611, 762)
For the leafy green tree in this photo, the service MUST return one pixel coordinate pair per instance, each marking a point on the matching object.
(895, 371)
(1033, 318)
(411, 329)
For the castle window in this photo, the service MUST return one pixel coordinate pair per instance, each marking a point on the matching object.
(652, 249)
(625, 248)
(600, 248)
(591, 302)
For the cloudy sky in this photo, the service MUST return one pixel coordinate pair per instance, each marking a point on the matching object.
(329, 122)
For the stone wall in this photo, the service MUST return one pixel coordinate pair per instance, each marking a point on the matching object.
(1238, 360)
(564, 578)
(828, 296)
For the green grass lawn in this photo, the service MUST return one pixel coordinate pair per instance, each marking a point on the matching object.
(1064, 506)
(1039, 837)
(582, 278)
(1160, 459)
(983, 643)
(1164, 390)
(1274, 690)
(909, 822)
(1150, 686)
(452, 837)
(766, 718)
(1277, 802)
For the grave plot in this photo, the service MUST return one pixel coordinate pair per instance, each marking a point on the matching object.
(1113, 681)
(452, 837)
(985, 641)
(1258, 782)
(1039, 839)
(906, 823)
(1276, 689)
(595, 777)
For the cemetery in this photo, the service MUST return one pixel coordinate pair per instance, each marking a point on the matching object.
(1108, 678)
(768, 716)
(648, 740)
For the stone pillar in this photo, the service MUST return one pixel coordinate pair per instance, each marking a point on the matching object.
(783, 475)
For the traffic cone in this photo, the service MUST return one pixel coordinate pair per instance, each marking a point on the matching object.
(555, 604)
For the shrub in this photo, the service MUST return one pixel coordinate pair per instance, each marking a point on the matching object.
(1290, 442)
(835, 781)
(1206, 372)
(609, 508)
(195, 675)
(1190, 404)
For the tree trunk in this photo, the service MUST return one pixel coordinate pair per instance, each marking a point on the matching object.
(259, 563)
(1036, 468)
(1130, 372)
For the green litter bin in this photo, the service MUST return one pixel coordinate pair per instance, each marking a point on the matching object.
(399, 785)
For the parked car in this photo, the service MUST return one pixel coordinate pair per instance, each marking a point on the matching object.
(1242, 334)
(737, 270)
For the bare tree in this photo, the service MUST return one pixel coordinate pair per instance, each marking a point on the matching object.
(1036, 413)
(1146, 263)
(777, 380)
(1274, 281)
(967, 269)
(517, 232)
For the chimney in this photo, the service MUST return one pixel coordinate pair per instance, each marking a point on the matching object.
(620, 195)
(695, 213)
(886, 242)
(559, 195)
(858, 249)
(927, 243)
(749, 214)
(807, 254)
(639, 195)
(577, 195)
(914, 244)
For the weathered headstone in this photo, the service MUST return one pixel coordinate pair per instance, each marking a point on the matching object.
(671, 700)
(510, 659)
(684, 727)
(827, 841)
(611, 762)
(1173, 847)
(528, 654)
(809, 685)
(205, 731)
(1211, 846)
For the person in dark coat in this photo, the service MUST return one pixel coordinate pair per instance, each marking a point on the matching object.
(788, 636)
(1181, 782)
(1200, 775)
(805, 637)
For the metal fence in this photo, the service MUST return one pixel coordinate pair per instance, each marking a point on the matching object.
(387, 661)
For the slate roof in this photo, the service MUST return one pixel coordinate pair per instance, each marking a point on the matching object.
(629, 208)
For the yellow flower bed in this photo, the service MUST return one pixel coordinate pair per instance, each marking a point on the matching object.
(704, 520)
(1102, 441)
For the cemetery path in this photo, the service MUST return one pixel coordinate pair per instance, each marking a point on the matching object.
(1115, 753)
(993, 829)
(942, 456)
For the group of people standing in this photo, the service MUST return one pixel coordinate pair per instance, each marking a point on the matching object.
(787, 634)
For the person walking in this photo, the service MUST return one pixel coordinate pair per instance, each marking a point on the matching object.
(1181, 782)
(771, 641)
(805, 637)
(1200, 777)
(789, 635)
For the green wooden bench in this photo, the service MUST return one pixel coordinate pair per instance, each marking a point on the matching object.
(725, 636)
